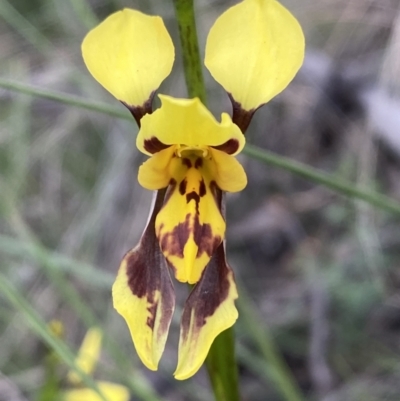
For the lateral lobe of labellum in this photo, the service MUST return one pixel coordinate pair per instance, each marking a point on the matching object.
(144, 295)
(208, 311)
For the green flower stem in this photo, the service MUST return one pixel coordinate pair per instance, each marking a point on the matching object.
(220, 362)
(309, 173)
(192, 63)
(222, 367)
(272, 362)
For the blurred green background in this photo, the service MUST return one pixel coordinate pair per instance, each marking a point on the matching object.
(318, 274)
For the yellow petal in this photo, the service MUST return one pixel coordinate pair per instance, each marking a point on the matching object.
(144, 296)
(254, 50)
(88, 354)
(188, 122)
(111, 391)
(208, 311)
(129, 54)
(154, 172)
(229, 173)
(190, 225)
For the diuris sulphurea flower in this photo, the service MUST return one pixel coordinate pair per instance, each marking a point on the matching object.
(253, 50)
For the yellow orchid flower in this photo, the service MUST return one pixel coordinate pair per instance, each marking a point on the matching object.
(86, 360)
(253, 50)
(194, 158)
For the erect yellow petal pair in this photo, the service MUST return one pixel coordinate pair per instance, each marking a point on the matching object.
(253, 50)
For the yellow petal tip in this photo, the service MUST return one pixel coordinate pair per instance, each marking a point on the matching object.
(129, 54)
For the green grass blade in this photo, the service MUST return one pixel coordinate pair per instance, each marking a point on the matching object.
(39, 327)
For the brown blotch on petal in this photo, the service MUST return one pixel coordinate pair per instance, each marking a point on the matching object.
(186, 162)
(208, 294)
(151, 319)
(193, 196)
(173, 242)
(198, 163)
(240, 116)
(182, 187)
(139, 111)
(147, 272)
(202, 188)
(230, 147)
(154, 145)
(204, 238)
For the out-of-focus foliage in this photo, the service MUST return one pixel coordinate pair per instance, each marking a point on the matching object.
(322, 271)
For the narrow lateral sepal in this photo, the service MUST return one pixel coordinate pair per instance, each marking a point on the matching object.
(208, 311)
(143, 294)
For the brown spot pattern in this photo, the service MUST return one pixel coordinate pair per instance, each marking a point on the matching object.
(208, 294)
(198, 163)
(182, 187)
(147, 273)
(186, 162)
(202, 189)
(193, 196)
(240, 116)
(139, 111)
(231, 146)
(154, 145)
(204, 238)
(173, 242)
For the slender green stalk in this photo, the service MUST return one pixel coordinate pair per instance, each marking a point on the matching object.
(221, 363)
(309, 173)
(192, 63)
(222, 367)
(274, 364)
(328, 180)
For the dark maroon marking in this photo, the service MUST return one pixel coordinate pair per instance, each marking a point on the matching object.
(173, 242)
(240, 116)
(231, 146)
(139, 111)
(147, 272)
(198, 163)
(186, 162)
(182, 187)
(193, 196)
(210, 292)
(154, 145)
(204, 238)
(153, 311)
(202, 189)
